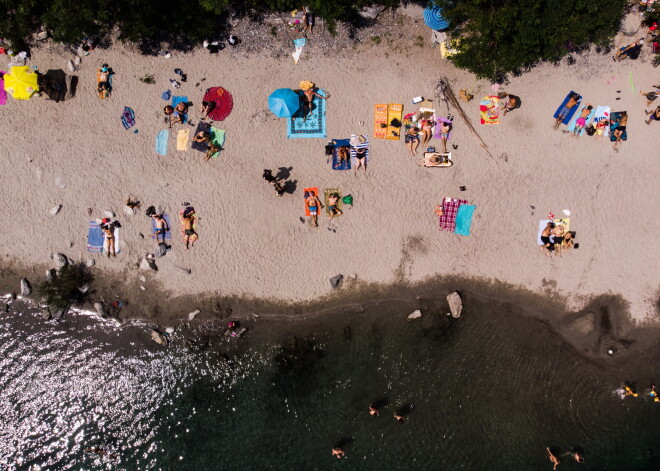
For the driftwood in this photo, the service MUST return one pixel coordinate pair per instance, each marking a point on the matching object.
(444, 92)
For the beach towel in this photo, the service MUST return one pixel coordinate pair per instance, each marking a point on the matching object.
(394, 113)
(3, 92)
(336, 165)
(117, 245)
(316, 192)
(568, 114)
(602, 112)
(445, 159)
(380, 119)
(218, 138)
(98, 81)
(464, 219)
(614, 124)
(314, 125)
(438, 129)
(180, 99)
(95, 239)
(449, 209)
(359, 145)
(182, 224)
(201, 127)
(298, 44)
(573, 123)
(168, 232)
(128, 118)
(490, 113)
(327, 192)
(182, 138)
(161, 142)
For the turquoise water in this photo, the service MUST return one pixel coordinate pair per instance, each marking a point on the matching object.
(488, 391)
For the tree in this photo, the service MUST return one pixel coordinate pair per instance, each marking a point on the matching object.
(497, 37)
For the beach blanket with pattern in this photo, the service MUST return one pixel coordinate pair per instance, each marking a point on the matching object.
(449, 210)
(490, 113)
(128, 118)
(364, 145)
(614, 124)
(336, 164)
(314, 125)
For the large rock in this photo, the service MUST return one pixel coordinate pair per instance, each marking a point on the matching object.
(60, 260)
(129, 211)
(335, 280)
(583, 325)
(415, 315)
(148, 263)
(100, 309)
(158, 337)
(455, 304)
(108, 213)
(90, 262)
(26, 289)
(50, 275)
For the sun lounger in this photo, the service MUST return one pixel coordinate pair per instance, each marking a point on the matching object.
(445, 159)
(490, 113)
(394, 114)
(464, 219)
(449, 209)
(336, 164)
(380, 121)
(327, 192)
(316, 192)
(614, 124)
(572, 111)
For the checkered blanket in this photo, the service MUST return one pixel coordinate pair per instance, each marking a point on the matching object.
(449, 210)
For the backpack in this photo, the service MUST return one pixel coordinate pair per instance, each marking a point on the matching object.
(590, 130)
(348, 199)
(329, 149)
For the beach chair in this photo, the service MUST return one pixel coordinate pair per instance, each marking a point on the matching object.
(431, 160)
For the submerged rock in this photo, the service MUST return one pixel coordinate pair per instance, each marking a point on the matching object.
(415, 315)
(158, 337)
(455, 304)
(335, 280)
(100, 309)
(26, 289)
(192, 315)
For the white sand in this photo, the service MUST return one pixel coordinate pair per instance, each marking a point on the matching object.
(253, 243)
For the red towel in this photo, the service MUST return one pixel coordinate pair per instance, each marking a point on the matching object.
(449, 210)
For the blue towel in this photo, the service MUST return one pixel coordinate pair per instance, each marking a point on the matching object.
(168, 232)
(95, 237)
(337, 143)
(314, 125)
(175, 101)
(571, 112)
(464, 219)
(161, 142)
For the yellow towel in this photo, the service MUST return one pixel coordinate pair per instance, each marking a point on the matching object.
(182, 139)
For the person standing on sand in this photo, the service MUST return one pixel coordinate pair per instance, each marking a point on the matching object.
(566, 109)
(552, 458)
(313, 203)
(190, 236)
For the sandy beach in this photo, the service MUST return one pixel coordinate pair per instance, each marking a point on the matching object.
(77, 154)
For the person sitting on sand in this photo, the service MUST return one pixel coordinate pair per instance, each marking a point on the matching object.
(189, 234)
(651, 96)
(343, 153)
(552, 458)
(313, 203)
(620, 128)
(655, 115)
(211, 150)
(333, 209)
(569, 240)
(581, 122)
(412, 140)
(373, 411)
(547, 246)
(161, 226)
(631, 50)
(511, 104)
(338, 452)
(205, 109)
(566, 109)
(109, 233)
(179, 112)
(427, 131)
(308, 99)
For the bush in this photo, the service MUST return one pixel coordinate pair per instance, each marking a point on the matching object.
(499, 37)
(63, 290)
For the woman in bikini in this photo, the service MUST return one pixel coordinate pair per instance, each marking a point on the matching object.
(601, 126)
(109, 234)
(427, 131)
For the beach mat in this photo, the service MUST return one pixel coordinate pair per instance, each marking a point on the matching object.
(182, 138)
(336, 165)
(95, 237)
(438, 128)
(327, 192)
(117, 244)
(314, 125)
(394, 112)
(380, 118)
(354, 149)
(490, 113)
(182, 226)
(573, 123)
(602, 112)
(450, 208)
(201, 127)
(3, 92)
(569, 116)
(168, 232)
(128, 118)
(464, 219)
(613, 125)
(218, 138)
(161, 142)
(315, 189)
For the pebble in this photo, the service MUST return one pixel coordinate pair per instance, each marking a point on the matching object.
(55, 209)
(192, 315)
(415, 315)
(108, 213)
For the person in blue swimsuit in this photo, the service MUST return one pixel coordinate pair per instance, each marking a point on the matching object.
(313, 203)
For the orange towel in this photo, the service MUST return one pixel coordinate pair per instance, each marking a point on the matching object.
(315, 189)
(380, 117)
(394, 111)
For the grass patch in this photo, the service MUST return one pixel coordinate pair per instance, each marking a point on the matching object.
(148, 79)
(376, 39)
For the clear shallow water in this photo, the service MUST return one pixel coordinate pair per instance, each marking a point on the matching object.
(489, 391)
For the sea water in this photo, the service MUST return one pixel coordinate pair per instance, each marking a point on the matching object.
(487, 391)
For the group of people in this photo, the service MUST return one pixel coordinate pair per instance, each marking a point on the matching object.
(424, 124)
(556, 239)
(653, 114)
(628, 390)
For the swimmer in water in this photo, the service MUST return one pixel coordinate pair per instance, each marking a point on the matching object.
(654, 394)
(398, 418)
(373, 411)
(630, 392)
(553, 458)
(338, 452)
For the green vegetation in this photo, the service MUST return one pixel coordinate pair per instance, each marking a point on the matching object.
(499, 37)
(376, 39)
(63, 290)
(650, 17)
(148, 78)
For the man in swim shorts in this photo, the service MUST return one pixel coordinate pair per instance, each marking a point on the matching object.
(313, 204)
(161, 226)
(333, 210)
(548, 246)
(190, 236)
(581, 122)
(566, 109)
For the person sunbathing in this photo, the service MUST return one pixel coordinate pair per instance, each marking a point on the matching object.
(333, 209)
(601, 127)
(581, 122)
(547, 246)
(202, 136)
(211, 151)
(179, 112)
(313, 204)
(631, 50)
(161, 226)
(109, 234)
(427, 131)
(361, 159)
(308, 99)
(558, 237)
(343, 153)
(512, 103)
(569, 240)
(620, 128)
(190, 236)
(206, 108)
(566, 109)
(412, 140)
(655, 115)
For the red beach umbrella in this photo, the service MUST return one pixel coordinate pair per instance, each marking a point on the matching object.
(223, 100)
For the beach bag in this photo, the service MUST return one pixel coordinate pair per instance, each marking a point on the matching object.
(590, 130)
(348, 199)
(329, 149)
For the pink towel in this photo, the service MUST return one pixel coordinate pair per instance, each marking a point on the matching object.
(449, 210)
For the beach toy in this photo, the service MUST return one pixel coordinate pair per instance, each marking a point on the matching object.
(551, 215)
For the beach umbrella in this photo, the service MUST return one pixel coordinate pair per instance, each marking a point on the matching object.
(283, 102)
(21, 82)
(223, 100)
(434, 19)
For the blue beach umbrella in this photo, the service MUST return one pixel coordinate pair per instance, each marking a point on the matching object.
(434, 19)
(283, 102)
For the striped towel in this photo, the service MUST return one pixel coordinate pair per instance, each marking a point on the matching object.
(449, 209)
